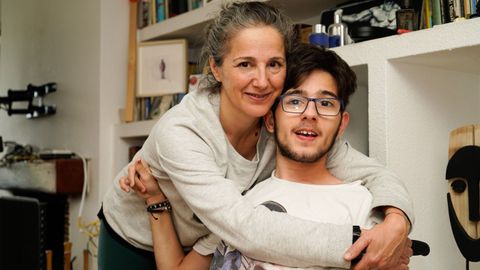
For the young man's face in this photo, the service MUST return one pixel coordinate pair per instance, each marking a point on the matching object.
(307, 137)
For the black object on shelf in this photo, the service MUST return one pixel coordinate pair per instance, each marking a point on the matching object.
(364, 32)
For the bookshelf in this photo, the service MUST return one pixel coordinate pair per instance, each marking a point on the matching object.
(413, 90)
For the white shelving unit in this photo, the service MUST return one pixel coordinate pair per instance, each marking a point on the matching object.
(413, 90)
(190, 25)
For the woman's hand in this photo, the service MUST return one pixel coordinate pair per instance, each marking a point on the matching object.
(141, 180)
(387, 244)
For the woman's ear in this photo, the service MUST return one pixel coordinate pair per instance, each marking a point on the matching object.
(269, 120)
(215, 69)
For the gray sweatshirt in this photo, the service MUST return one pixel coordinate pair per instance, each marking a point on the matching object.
(200, 172)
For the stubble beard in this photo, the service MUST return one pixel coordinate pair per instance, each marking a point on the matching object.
(286, 151)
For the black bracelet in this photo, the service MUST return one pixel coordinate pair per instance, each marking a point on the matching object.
(159, 208)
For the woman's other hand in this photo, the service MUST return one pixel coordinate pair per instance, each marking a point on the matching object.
(141, 180)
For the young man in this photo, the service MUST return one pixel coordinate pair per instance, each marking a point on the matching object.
(306, 121)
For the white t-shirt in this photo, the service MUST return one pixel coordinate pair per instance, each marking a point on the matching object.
(348, 203)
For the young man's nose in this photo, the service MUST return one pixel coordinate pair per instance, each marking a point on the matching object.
(311, 110)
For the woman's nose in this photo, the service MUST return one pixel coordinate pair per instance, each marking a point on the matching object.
(261, 78)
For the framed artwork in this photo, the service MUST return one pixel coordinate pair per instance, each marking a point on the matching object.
(162, 68)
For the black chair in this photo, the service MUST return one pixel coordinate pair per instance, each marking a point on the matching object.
(420, 248)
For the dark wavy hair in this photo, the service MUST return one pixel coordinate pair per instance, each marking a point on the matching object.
(303, 59)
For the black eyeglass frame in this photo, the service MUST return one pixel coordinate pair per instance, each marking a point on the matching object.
(280, 99)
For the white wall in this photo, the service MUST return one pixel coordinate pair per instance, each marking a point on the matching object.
(421, 113)
(59, 41)
(113, 72)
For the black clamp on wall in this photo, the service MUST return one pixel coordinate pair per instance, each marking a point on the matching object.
(33, 96)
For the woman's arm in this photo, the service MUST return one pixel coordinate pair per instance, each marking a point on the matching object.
(168, 252)
(197, 166)
(387, 189)
(385, 242)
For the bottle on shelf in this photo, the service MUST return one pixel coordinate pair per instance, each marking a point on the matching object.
(319, 36)
(337, 31)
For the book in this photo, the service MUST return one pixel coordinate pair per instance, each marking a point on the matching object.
(153, 12)
(436, 12)
(132, 150)
(302, 32)
(194, 4)
(160, 5)
(177, 7)
(155, 107)
(143, 15)
(468, 11)
(177, 98)
(147, 108)
(449, 11)
(457, 7)
(428, 12)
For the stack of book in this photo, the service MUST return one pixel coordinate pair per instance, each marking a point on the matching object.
(155, 11)
(437, 12)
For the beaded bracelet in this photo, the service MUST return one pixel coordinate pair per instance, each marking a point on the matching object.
(159, 208)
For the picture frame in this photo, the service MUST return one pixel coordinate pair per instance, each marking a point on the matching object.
(162, 68)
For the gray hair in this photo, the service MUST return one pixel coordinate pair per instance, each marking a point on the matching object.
(232, 18)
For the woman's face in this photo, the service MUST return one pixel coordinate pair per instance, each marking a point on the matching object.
(253, 71)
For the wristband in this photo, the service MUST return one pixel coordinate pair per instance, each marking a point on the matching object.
(159, 208)
(357, 232)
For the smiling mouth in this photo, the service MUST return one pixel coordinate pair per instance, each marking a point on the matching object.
(257, 96)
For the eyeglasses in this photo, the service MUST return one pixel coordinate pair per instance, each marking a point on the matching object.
(292, 103)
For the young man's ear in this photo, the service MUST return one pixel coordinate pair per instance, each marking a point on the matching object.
(344, 123)
(215, 69)
(269, 121)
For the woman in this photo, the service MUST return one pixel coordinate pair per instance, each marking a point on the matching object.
(208, 150)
